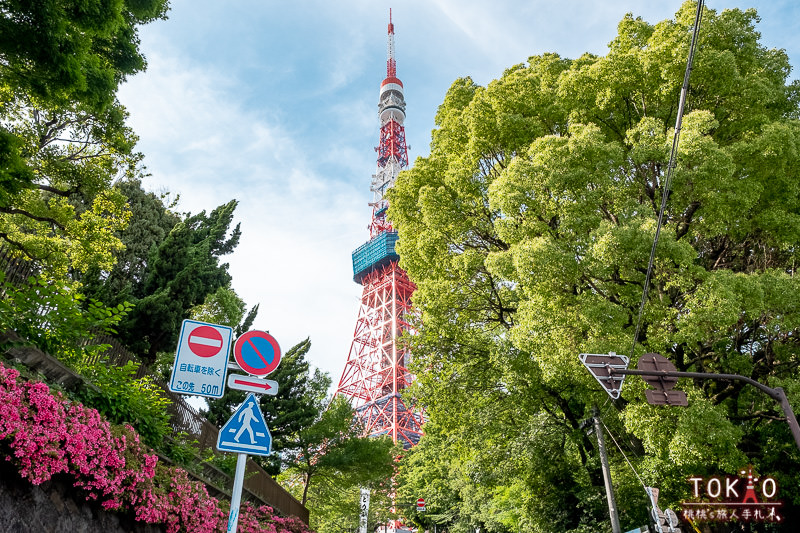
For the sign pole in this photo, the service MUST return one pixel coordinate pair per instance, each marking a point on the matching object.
(257, 353)
(236, 494)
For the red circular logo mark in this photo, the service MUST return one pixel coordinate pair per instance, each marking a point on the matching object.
(205, 341)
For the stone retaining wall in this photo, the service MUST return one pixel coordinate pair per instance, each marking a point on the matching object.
(57, 507)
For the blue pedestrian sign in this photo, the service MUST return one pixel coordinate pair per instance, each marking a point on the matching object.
(246, 431)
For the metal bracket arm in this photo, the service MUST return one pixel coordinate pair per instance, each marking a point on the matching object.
(776, 394)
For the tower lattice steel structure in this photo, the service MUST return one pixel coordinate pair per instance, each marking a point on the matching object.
(375, 373)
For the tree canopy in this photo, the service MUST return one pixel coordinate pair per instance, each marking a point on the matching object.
(528, 230)
(63, 138)
(65, 52)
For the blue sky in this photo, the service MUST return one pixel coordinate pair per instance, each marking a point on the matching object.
(275, 104)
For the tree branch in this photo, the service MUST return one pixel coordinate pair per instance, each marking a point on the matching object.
(59, 192)
(17, 245)
(17, 211)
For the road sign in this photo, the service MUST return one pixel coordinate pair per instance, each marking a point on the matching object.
(600, 363)
(663, 393)
(672, 518)
(205, 341)
(421, 504)
(257, 353)
(655, 513)
(246, 431)
(654, 361)
(251, 384)
(666, 397)
(201, 359)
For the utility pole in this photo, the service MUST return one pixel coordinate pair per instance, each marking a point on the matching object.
(601, 445)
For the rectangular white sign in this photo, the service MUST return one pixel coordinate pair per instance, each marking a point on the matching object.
(201, 359)
(364, 507)
(253, 384)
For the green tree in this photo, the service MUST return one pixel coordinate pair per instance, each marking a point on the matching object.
(170, 267)
(528, 230)
(333, 455)
(181, 271)
(426, 474)
(73, 52)
(150, 222)
(57, 59)
(68, 216)
(225, 307)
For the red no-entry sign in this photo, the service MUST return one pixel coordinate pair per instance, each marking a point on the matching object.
(205, 341)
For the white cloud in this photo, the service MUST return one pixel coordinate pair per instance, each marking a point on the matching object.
(298, 226)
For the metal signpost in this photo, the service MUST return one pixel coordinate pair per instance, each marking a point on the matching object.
(246, 432)
(201, 363)
(776, 394)
(665, 374)
(201, 359)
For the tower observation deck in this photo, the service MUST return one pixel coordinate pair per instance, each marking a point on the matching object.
(375, 373)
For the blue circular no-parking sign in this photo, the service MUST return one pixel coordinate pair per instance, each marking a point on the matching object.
(257, 353)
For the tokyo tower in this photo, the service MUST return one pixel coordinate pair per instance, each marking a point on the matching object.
(375, 373)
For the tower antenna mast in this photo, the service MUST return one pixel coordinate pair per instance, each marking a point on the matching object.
(375, 373)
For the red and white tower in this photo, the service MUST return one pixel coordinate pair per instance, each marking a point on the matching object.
(375, 373)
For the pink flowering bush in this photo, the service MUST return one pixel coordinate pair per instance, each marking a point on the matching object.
(262, 520)
(181, 504)
(253, 519)
(45, 434)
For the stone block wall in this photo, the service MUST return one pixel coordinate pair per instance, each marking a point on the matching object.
(57, 507)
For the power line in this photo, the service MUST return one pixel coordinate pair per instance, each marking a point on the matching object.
(623, 454)
(670, 168)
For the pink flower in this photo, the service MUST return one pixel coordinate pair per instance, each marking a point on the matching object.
(47, 435)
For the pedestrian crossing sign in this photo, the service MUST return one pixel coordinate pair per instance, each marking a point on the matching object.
(246, 431)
